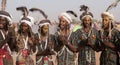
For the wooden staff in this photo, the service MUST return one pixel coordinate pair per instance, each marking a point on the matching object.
(3, 5)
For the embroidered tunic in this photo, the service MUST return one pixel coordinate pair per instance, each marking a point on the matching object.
(45, 49)
(6, 45)
(23, 43)
(109, 56)
(25, 47)
(87, 55)
(65, 55)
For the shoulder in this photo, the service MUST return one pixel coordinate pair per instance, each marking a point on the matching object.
(115, 30)
(57, 33)
(78, 31)
(95, 30)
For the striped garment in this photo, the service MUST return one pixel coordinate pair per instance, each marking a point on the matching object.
(66, 56)
(87, 54)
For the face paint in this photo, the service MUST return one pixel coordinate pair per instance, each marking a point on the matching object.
(45, 29)
(87, 21)
(24, 27)
(105, 22)
(63, 23)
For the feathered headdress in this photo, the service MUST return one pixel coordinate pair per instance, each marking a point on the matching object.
(84, 8)
(25, 18)
(111, 17)
(3, 13)
(86, 12)
(44, 21)
(24, 11)
(66, 15)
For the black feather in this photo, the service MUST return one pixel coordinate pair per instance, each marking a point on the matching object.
(24, 10)
(72, 12)
(42, 12)
(84, 8)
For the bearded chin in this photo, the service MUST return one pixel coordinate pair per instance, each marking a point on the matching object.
(86, 25)
(64, 27)
(1, 28)
(44, 33)
(25, 31)
(105, 26)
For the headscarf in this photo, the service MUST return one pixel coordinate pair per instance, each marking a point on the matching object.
(66, 17)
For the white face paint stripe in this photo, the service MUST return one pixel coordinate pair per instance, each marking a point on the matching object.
(44, 24)
(86, 16)
(27, 22)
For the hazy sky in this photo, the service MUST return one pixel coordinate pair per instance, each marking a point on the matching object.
(54, 7)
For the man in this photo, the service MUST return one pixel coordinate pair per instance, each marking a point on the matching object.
(45, 43)
(25, 40)
(110, 37)
(65, 46)
(86, 39)
(7, 37)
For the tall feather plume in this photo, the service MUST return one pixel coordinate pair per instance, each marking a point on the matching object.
(3, 5)
(24, 10)
(42, 12)
(84, 8)
(114, 4)
(72, 12)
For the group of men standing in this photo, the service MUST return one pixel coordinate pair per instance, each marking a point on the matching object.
(64, 44)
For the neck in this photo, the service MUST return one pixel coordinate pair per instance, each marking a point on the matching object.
(65, 32)
(107, 29)
(44, 34)
(25, 34)
(87, 26)
(2, 29)
(64, 29)
(87, 29)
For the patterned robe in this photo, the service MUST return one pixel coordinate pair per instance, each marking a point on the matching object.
(109, 56)
(87, 54)
(65, 55)
(10, 37)
(45, 50)
(20, 45)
